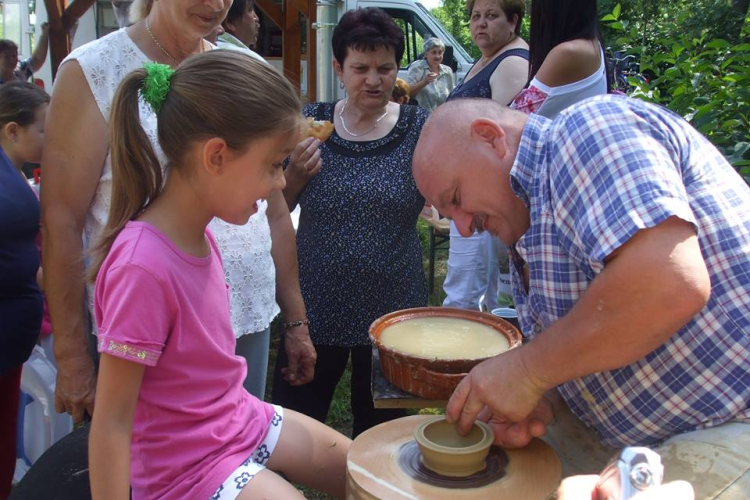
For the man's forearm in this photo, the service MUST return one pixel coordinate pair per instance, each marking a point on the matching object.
(640, 299)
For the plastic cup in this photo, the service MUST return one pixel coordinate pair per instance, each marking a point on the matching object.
(508, 314)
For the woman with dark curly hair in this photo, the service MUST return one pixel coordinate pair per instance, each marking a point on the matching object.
(359, 253)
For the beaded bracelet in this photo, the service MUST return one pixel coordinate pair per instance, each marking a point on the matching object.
(292, 324)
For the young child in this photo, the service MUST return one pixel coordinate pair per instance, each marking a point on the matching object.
(22, 110)
(172, 419)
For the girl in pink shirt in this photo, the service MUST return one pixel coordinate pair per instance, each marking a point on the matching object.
(172, 419)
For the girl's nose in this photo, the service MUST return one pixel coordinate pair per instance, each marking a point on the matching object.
(280, 181)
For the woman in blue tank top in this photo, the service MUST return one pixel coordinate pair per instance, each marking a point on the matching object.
(501, 73)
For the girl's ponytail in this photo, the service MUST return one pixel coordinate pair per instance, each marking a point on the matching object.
(222, 93)
(137, 177)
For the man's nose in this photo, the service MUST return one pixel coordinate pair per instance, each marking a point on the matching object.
(463, 222)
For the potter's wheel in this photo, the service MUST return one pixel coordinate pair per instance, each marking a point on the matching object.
(383, 464)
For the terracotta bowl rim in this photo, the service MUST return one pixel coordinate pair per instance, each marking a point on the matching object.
(509, 331)
(488, 437)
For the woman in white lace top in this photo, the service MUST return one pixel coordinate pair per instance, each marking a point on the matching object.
(78, 178)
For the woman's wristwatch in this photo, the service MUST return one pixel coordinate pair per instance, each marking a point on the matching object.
(294, 324)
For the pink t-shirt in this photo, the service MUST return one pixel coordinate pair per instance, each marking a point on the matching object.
(194, 423)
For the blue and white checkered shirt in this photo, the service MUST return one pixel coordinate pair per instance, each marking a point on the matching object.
(592, 178)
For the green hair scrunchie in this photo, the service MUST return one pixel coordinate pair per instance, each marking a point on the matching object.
(156, 85)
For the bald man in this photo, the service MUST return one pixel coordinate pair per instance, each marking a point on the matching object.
(630, 257)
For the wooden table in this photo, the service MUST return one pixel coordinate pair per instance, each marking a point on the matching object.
(385, 395)
(439, 240)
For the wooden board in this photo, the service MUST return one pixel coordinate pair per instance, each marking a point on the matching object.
(373, 472)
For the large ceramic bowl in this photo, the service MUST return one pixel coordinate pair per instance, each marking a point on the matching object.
(426, 377)
(448, 453)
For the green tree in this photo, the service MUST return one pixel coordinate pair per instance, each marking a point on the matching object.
(704, 79)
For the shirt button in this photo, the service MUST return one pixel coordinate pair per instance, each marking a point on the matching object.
(537, 328)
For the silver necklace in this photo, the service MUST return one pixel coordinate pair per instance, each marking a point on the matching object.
(343, 123)
(151, 34)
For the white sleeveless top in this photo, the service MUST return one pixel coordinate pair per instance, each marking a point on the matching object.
(246, 250)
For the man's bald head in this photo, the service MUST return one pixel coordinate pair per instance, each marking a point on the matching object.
(448, 131)
(462, 163)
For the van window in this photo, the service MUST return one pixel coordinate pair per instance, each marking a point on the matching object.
(415, 33)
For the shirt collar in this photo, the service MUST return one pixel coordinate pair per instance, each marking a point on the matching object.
(530, 157)
(229, 38)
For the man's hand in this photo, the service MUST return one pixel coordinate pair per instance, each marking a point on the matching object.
(301, 356)
(519, 434)
(505, 387)
(76, 386)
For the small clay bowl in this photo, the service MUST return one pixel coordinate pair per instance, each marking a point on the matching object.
(448, 453)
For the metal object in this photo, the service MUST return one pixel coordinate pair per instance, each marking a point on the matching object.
(328, 15)
(633, 470)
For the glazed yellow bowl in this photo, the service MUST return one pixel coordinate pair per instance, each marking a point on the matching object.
(448, 453)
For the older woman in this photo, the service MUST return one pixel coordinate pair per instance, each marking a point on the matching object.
(78, 178)
(359, 253)
(474, 263)
(430, 81)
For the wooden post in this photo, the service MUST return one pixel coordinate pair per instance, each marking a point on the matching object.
(312, 52)
(62, 17)
(292, 44)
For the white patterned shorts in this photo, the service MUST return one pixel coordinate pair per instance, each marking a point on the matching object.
(230, 489)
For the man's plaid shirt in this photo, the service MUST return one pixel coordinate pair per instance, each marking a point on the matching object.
(593, 177)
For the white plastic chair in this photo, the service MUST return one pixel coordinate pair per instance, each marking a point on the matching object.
(39, 426)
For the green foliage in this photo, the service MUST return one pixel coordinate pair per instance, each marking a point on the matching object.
(706, 80)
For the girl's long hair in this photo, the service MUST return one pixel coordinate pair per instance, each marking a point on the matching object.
(554, 22)
(220, 93)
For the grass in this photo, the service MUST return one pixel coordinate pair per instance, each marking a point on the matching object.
(340, 415)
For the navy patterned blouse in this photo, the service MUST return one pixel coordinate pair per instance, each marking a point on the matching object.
(479, 85)
(357, 243)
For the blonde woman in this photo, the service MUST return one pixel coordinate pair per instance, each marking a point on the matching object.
(78, 180)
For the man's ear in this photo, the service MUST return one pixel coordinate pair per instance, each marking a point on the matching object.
(488, 132)
(229, 26)
(10, 131)
(215, 156)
